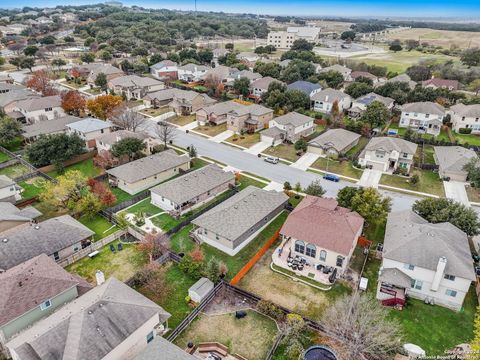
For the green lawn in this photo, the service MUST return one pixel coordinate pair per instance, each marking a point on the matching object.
(99, 225)
(15, 144)
(362, 142)
(156, 112)
(183, 120)
(86, 167)
(284, 151)
(199, 163)
(144, 206)
(246, 181)
(429, 182)
(14, 171)
(120, 195)
(166, 222)
(428, 153)
(121, 265)
(211, 130)
(246, 140)
(467, 139)
(30, 188)
(344, 168)
(4, 157)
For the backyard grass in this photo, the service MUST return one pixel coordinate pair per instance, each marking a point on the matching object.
(344, 168)
(165, 221)
(211, 130)
(14, 145)
(121, 264)
(473, 194)
(428, 153)
(251, 337)
(99, 225)
(120, 195)
(429, 182)
(144, 206)
(155, 112)
(246, 140)
(86, 167)
(246, 181)
(4, 157)
(284, 151)
(469, 139)
(30, 187)
(362, 142)
(14, 171)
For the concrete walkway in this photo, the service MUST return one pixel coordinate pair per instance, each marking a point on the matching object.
(190, 126)
(455, 190)
(305, 161)
(222, 136)
(274, 186)
(258, 148)
(370, 178)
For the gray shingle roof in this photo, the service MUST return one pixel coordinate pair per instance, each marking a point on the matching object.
(403, 78)
(395, 277)
(305, 86)
(89, 125)
(467, 110)
(89, 327)
(426, 107)
(263, 82)
(339, 139)
(134, 81)
(162, 64)
(16, 95)
(238, 214)
(338, 68)
(329, 95)
(453, 158)
(27, 241)
(371, 97)
(5, 181)
(148, 166)
(163, 349)
(193, 184)
(193, 67)
(293, 118)
(48, 127)
(410, 239)
(9, 212)
(390, 144)
(40, 103)
(112, 137)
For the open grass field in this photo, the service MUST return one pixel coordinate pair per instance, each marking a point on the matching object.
(251, 337)
(444, 38)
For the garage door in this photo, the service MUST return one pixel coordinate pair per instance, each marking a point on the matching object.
(315, 150)
(375, 165)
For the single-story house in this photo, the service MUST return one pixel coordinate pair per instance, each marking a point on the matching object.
(218, 74)
(7, 86)
(248, 58)
(106, 141)
(28, 295)
(134, 87)
(437, 83)
(111, 321)
(306, 87)
(354, 75)
(323, 100)
(292, 126)
(55, 126)
(57, 237)
(200, 290)
(236, 75)
(165, 70)
(9, 190)
(465, 117)
(323, 233)
(345, 71)
(192, 189)
(425, 117)
(430, 262)
(260, 86)
(451, 161)
(9, 100)
(216, 114)
(149, 171)
(233, 224)
(333, 142)
(388, 154)
(186, 102)
(89, 129)
(403, 78)
(192, 72)
(40, 109)
(11, 216)
(360, 105)
(161, 348)
(110, 72)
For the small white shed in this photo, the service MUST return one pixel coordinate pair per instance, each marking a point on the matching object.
(200, 290)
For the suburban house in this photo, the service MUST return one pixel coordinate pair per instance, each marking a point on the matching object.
(89, 129)
(360, 105)
(322, 233)
(333, 142)
(106, 141)
(192, 72)
(218, 74)
(248, 58)
(9, 191)
(219, 52)
(11, 216)
(451, 161)
(33, 290)
(191, 190)
(39, 109)
(187, 98)
(430, 262)
(345, 71)
(57, 237)
(403, 78)
(146, 172)
(465, 117)
(111, 321)
(30, 133)
(161, 348)
(186, 102)
(6, 79)
(216, 114)
(233, 224)
(134, 87)
(289, 127)
(236, 75)
(9, 100)
(387, 154)
(323, 100)
(93, 70)
(437, 83)
(306, 87)
(354, 75)
(426, 117)
(284, 39)
(6, 86)
(260, 86)
(165, 70)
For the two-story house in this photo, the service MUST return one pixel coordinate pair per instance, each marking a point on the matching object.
(89, 129)
(388, 154)
(360, 104)
(307, 87)
(249, 118)
(289, 127)
(134, 87)
(165, 70)
(33, 290)
(465, 117)
(40, 109)
(185, 102)
(424, 117)
(323, 100)
(192, 72)
(260, 86)
(430, 262)
(343, 70)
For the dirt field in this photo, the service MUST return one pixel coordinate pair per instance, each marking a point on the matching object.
(444, 38)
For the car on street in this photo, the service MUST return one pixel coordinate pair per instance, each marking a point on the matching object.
(331, 177)
(271, 159)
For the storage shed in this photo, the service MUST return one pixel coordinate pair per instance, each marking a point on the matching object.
(200, 290)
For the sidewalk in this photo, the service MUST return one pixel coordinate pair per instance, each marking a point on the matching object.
(370, 178)
(305, 161)
(222, 136)
(258, 148)
(455, 190)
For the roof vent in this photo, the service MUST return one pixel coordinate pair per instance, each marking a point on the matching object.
(36, 227)
(235, 207)
(5, 240)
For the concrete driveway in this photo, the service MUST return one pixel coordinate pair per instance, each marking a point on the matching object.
(222, 136)
(456, 190)
(305, 161)
(370, 178)
(258, 148)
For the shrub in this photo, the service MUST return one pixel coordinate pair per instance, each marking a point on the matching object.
(268, 308)
(414, 179)
(465, 131)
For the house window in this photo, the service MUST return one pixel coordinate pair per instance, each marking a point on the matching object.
(101, 131)
(217, 237)
(427, 116)
(416, 284)
(449, 277)
(323, 255)
(75, 248)
(311, 250)
(463, 118)
(340, 261)
(300, 246)
(405, 155)
(205, 231)
(451, 293)
(45, 305)
(408, 267)
(48, 109)
(56, 256)
(150, 336)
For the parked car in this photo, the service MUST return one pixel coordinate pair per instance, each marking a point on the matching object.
(271, 159)
(331, 177)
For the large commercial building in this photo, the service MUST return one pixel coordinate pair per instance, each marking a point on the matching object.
(285, 38)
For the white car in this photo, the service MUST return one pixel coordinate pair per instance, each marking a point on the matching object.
(271, 159)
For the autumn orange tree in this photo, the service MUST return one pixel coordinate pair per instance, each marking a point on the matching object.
(104, 106)
(72, 102)
(42, 81)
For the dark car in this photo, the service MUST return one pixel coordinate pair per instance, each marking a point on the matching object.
(331, 177)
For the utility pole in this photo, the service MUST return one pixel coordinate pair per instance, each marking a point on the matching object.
(195, 8)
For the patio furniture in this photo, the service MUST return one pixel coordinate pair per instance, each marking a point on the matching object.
(326, 270)
(300, 267)
(119, 247)
(319, 267)
(93, 254)
(112, 248)
(294, 266)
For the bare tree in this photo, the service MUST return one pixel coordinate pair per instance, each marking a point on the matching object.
(165, 131)
(127, 119)
(362, 325)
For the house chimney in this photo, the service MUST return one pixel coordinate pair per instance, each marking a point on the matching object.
(442, 263)
(326, 98)
(100, 277)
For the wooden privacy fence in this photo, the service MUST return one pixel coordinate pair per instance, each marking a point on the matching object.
(246, 268)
